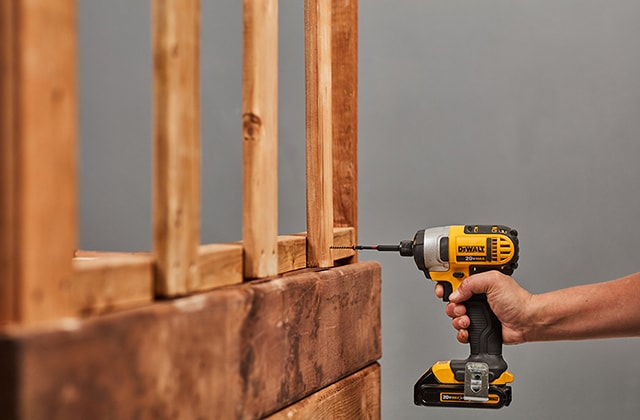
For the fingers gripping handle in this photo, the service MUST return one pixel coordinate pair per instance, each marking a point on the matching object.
(485, 339)
(485, 330)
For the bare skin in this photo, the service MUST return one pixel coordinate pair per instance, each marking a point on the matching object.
(600, 310)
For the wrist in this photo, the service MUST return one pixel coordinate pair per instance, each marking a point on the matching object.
(532, 323)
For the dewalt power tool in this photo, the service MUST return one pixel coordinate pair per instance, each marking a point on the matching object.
(448, 255)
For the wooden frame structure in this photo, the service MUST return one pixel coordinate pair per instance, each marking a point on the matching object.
(180, 323)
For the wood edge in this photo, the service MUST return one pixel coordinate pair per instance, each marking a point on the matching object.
(356, 396)
(318, 116)
(344, 45)
(175, 41)
(219, 265)
(108, 283)
(260, 137)
(292, 253)
(342, 236)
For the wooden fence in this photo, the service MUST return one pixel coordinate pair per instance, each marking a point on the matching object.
(42, 274)
(89, 334)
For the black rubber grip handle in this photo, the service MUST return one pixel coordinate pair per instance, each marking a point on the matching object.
(485, 330)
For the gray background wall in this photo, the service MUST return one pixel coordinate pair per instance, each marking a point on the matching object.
(525, 113)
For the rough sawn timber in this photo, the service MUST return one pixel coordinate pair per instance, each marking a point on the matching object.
(243, 351)
(355, 397)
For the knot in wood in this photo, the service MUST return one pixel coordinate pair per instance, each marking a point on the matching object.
(251, 125)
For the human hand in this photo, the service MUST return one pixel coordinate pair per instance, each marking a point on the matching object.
(507, 300)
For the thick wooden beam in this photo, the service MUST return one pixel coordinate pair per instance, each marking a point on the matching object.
(260, 137)
(105, 283)
(38, 107)
(176, 43)
(317, 29)
(354, 397)
(242, 351)
(344, 101)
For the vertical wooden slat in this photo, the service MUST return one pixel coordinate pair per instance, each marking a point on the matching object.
(317, 22)
(37, 157)
(260, 143)
(176, 32)
(8, 277)
(344, 47)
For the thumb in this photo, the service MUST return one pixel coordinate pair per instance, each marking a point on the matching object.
(472, 285)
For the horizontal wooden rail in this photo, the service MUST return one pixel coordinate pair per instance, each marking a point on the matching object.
(106, 281)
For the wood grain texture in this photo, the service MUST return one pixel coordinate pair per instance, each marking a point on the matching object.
(341, 237)
(344, 92)
(219, 265)
(344, 236)
(176, 43)
(260, 137)
(110, 282)
(242, 351)
(317, 30)
(292, 253)
(355, 397)
(38, 107)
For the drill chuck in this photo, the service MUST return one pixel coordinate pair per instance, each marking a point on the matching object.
(406, 248)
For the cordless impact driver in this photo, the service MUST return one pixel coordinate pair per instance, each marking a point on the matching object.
(448, 255)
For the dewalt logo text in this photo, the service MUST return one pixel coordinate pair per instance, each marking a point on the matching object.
(471, 248)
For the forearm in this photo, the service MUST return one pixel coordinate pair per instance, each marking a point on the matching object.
(601, 310)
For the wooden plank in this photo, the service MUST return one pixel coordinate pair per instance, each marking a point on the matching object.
(344, 91)
(317, 29)
(220, 265)
(354, 397)
(292, 253)
(242, 351)
(260, 137)
(110, 282)
(8, 184)
(341, 237)
(176, 43)
(344, 236)
(38, 107)
(83, 253)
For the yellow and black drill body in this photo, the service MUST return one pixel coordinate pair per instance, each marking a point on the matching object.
(448, 255)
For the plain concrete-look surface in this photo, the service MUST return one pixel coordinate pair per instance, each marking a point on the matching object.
(514, 112)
